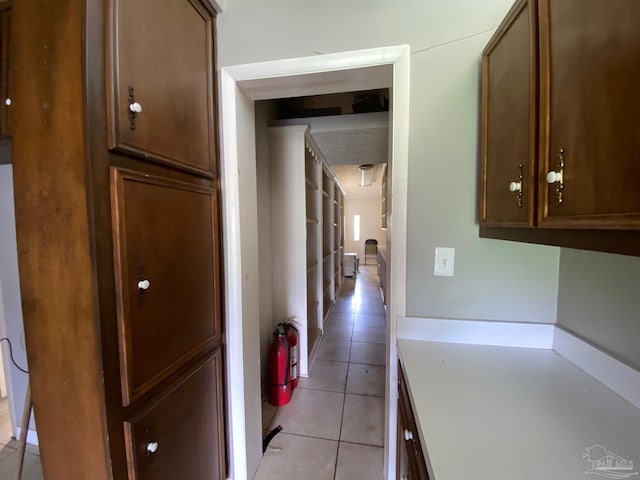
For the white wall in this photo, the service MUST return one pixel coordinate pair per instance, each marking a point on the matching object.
(369, 210)
(598, 300)
(494, 280)
(265, 111)
(11, 303)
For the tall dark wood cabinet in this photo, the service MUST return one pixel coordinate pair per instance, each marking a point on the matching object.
(119, 236)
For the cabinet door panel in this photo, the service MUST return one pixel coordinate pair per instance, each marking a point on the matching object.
(165, 232)
(172, 80)
(412, 447)
(185, 428)
(509, 120)
(590, 72)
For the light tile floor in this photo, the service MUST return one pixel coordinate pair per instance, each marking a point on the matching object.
(9, 453)
(333, 428)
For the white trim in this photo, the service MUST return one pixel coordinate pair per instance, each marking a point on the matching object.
(499, 334)
(332, 73)
(233, 285)
(32, 436)
(218, 5)
(617, 376)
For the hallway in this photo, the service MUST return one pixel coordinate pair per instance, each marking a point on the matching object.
(334, 426)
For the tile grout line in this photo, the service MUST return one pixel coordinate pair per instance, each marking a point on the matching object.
(344, 400)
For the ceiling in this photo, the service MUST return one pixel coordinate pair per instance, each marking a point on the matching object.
(350, 141)
(349, 176)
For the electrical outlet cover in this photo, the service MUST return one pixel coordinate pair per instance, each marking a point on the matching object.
(444, 261)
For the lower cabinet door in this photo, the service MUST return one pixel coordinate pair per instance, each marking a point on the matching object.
(410, 456)
(181, 435)
(403, 471)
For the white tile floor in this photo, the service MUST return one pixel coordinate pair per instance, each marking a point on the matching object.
(9, 453)
(333, 428)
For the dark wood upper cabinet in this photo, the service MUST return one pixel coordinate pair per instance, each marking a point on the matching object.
(509, 109)
(560, 97)
(160, 64)
(590, 99)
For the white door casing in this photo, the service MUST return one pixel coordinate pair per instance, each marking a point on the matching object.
(240, 87)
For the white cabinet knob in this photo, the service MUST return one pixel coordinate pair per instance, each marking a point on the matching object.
(144, 284)
(135, 107)
(408, 435)
(515, 186)
(7, 101)
(152, 447)
(554, 177)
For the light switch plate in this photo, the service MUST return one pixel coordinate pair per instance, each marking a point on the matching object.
(444, 261)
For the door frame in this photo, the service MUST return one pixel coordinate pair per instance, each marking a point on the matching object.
(240, 87)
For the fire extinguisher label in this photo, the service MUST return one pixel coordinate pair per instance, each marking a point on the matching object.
(294, 362)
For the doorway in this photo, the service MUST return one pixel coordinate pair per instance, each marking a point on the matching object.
(241, 86)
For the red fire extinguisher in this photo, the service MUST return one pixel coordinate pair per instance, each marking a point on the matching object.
(293, 337)
(279, 370)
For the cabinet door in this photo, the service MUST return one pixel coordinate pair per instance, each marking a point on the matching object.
(590, 99)
(162, 60)
(167, 274)
(181, 435)
(509, 83)
(408, 433)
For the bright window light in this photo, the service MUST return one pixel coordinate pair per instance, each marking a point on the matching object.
(356, 228)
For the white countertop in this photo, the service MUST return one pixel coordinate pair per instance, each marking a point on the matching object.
(513, 413)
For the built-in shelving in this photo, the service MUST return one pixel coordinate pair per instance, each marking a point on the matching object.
(385, 206)
(307, 201)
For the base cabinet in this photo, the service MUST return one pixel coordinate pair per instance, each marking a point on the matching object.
(410, 458)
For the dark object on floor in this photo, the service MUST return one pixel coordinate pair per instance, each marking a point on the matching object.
(371, 250)
(269, 437)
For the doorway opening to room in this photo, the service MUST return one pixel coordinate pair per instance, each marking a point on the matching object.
(320, 163)
(241, 87)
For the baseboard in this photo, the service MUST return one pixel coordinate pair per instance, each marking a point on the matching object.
(32, 436)
(499, 334)
(617, 376)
